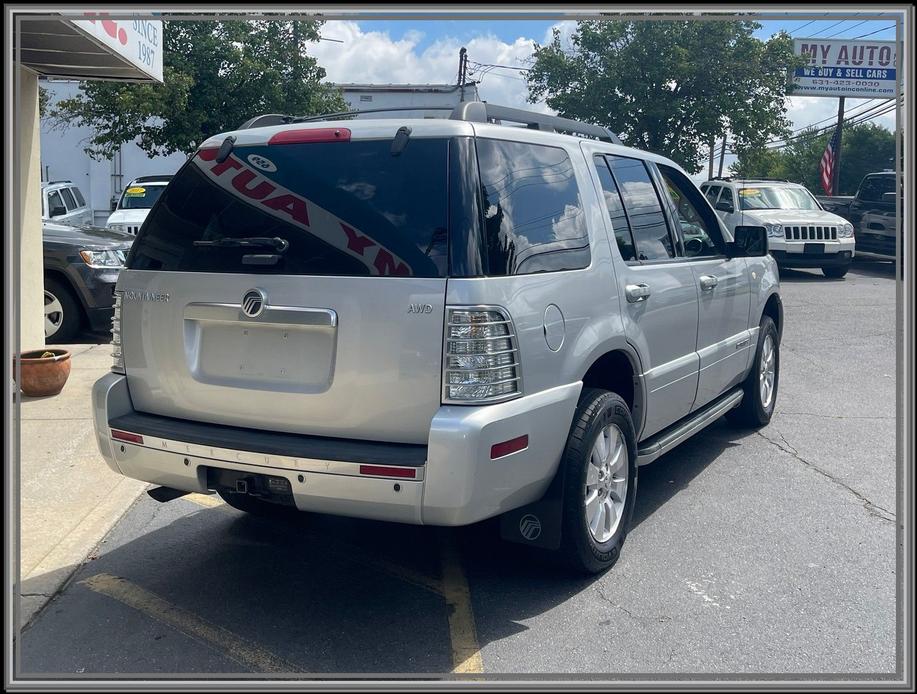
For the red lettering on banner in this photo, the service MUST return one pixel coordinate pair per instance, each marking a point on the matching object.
(230, 163)
(293, 206)
(355, 242)
(262, 190)
(385, 264)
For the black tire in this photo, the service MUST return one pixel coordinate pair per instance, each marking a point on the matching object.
(835, 272)
(258, 507)
(70, 315)
(752, 413)
(579, 548)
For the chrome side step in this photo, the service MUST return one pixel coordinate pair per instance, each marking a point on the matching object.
(666, 440)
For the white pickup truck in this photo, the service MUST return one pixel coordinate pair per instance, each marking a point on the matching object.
(800, 232)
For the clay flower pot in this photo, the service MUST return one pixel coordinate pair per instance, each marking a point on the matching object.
(44, 371)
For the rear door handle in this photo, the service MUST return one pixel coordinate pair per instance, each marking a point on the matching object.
(636, 292)
(708, 283)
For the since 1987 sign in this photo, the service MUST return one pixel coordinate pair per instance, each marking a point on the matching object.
(861, 69)
(138, 41)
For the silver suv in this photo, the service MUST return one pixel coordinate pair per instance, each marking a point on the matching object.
(435, 322)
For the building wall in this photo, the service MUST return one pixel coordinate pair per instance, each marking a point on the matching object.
(362, 99)
(28, 217)
(62, 158)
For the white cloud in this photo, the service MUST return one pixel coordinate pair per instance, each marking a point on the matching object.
(375, 57)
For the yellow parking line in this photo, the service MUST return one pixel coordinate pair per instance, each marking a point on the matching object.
(466, 653)
(208, 500)
(239, 649)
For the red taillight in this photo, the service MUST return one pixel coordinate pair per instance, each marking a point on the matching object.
(384, 471)
(291, 137)
(126, 436)
(498, 450)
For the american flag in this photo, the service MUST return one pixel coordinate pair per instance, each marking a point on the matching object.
(826, 168)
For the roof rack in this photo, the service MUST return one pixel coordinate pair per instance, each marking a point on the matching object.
(471, 111)
(482, 112)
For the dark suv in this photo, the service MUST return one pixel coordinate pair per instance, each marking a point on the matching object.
(81, 268)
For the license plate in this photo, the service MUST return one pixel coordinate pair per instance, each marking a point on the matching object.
(814, 248)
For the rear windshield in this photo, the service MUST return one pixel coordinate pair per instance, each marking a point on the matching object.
(874, 187)
(140, 197)
(338, 208)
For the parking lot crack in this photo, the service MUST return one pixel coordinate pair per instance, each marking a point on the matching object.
(872, 509)
(617, 606)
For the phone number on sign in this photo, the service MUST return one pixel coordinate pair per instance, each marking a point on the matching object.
(858, 83)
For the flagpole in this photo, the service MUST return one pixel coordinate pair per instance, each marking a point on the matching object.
(836, 171)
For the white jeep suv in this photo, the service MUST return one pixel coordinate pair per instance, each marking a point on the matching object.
(800, 233)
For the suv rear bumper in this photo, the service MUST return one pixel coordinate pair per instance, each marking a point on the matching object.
(456, 484)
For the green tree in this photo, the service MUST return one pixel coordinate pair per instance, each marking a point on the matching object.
(865, 148)
(216, 76)
(671, 87)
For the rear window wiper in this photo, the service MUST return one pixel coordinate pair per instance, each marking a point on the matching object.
(278, 244)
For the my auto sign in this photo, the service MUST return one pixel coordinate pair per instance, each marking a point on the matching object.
(865, 69)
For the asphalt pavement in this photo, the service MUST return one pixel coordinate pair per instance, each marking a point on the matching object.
(750, 552)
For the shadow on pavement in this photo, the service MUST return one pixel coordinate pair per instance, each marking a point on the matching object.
(322, 593)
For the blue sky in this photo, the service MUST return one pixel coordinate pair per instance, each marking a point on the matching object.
(426, 52)
(509, 30)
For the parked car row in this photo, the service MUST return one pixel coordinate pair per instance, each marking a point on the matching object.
(82, 261)
(874, 212)
(800, 232)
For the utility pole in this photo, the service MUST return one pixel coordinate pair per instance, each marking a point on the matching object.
(836, 172)
(722, 156)
(463, 67)
(712, 157)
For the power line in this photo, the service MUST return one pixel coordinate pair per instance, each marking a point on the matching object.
(812, 21)
(837, 36)
(852, 38)
(854, 119)
(831, 26)
(824, 120)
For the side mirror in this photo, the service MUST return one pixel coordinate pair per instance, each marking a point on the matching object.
(749, 242)
(725, 206)
(58, 211)
(114, 203)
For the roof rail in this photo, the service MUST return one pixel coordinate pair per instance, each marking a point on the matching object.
(394, 109)
(266, 120)
(471, 111)
(64, 180)
(482, 112)
(269, 119)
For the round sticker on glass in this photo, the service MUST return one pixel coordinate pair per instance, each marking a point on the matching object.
(133, 192)
(262, 163)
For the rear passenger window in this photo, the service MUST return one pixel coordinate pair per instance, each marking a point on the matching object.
(79, 197)
(616, 214)
(69, 199)
(711, 192)
(533, 213)
(647, 220)
(55, 204)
